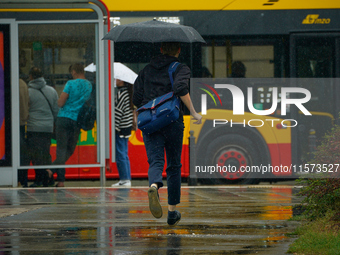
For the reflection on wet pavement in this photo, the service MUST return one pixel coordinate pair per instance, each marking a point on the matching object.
(215, 220)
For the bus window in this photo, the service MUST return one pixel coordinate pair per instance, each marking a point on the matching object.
(257, 59)
(314, 59)
(214, 58)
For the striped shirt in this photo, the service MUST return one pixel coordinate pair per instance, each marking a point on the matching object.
(123, 114)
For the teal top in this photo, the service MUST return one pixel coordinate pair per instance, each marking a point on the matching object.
(78, 90)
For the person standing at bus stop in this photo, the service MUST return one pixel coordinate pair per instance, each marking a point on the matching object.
(154, 81)
(71, 100)
(43, 110)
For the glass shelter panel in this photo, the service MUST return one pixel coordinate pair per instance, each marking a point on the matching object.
(54, 48)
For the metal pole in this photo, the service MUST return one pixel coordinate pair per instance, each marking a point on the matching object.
(192, 180)
(312, 143)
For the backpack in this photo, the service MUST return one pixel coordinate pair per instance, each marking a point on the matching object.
(160, 111)
(87, 114)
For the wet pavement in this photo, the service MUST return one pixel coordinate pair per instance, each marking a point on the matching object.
(215, 220)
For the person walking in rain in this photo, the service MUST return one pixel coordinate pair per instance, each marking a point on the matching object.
(154, 81)
(123, 125)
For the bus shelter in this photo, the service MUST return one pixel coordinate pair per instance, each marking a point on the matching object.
(52, 35)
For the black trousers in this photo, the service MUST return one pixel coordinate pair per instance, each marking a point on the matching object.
(39, 144)
(67, 132)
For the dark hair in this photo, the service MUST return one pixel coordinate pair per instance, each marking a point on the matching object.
(238, 69)
(77, 67)
(170, 48)
(206, 73)
(35, 72)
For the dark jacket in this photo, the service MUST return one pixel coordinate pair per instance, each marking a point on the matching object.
(154, 81)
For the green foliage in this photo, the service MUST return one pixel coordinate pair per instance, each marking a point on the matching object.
(328, 152)
(322, 195)
(320, 237)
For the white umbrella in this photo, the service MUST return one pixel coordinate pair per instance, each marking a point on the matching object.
(120, 71)
(124, 73)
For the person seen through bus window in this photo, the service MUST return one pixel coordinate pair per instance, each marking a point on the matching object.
(238, 70)
(206, 73)
(71, 100)
(154, 81)
(43, 110)
(123, 126)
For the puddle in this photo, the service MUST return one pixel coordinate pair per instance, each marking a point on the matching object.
(100, 221)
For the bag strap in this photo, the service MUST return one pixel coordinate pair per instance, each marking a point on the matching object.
(46, 100)
(172, 68)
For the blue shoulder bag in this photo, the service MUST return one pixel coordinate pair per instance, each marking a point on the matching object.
(160, 111)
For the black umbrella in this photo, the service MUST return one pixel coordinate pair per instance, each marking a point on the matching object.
(153, 31)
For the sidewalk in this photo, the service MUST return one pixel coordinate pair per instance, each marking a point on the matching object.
(88, 220)
(144, 182)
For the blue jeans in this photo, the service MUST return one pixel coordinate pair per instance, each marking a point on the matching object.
(122, 158)
(67, 135)
(169, 138)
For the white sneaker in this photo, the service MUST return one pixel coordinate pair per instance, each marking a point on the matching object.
(125, 183)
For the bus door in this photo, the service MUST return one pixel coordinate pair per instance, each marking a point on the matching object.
(314, 59)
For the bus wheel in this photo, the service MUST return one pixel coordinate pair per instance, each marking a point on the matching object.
(231, 155)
